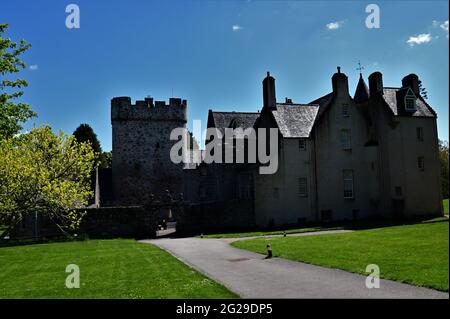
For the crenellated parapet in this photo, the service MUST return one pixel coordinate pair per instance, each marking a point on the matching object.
(122, 109)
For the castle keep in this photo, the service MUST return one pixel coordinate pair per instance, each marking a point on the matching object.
(141, 165)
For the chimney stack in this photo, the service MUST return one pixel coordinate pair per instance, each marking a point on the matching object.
(376, 83)
(412, 81)
(340, 83)
(269, 97)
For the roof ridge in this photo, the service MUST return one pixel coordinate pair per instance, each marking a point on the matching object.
(234, 112)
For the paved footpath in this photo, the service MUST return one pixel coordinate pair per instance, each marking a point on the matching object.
(251, 276)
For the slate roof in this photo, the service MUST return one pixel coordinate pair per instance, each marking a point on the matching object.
(243, 120)
(323, 103)
(295, 120)
(394, 98)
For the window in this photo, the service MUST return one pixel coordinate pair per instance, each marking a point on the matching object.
(302, 144)
(302, 187)
(346, 141)
(276, 193)
(410, 101)
(398, 191)
(421, 163)
(348, 183)
(419, 133)
(345, 110)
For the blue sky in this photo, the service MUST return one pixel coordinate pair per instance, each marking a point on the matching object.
(216, 53)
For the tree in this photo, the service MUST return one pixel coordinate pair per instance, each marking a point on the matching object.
(423, 91)
(47, 174)
(12, 115)
(85, 133)
(443, 158)
(107, 158)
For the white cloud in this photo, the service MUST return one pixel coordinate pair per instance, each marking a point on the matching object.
(34, 67)
(419, 39)
(334, 25)
(236, 28)
(444, 26)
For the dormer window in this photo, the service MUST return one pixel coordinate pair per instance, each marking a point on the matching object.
(410, 101)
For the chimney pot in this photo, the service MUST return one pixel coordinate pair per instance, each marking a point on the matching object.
(269, 97)
(376, 83)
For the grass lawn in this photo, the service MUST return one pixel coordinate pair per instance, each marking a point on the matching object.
(108, 269)
(268, 233)
(445, 202)
(415, 254)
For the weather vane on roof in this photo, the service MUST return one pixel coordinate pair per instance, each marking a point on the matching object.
(360, 67)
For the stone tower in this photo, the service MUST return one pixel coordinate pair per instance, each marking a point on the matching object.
(141, 145)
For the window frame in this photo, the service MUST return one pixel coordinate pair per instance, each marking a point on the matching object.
(421, 163)
(302, 144)
(305, 186)
(346, 144)
(345, 110)
(408, 98)
(345, 180)
(419, 133)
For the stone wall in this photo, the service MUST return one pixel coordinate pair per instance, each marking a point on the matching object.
(215, 216)
(142, 221)
(104, 222)
(141, 145)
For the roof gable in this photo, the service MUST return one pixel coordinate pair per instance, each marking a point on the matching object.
(295, 120)
(222, 120)
(395, 97)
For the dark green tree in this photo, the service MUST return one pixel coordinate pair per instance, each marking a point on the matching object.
(443, 158)
(423, 91)
(85, 133)
(12, 114)
(107, 157)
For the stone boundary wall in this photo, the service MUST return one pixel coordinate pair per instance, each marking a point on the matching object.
(215, 216)
(141, 221)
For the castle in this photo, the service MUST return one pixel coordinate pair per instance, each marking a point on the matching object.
(340, 157)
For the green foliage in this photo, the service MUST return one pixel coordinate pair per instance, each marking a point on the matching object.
(108, 269)
(443, 158)
(45, 173)
(11, 114)
(445, 204)
(415, 254)
(85, 133)
(106, 160)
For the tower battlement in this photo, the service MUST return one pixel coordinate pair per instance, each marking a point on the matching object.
(148, 109)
